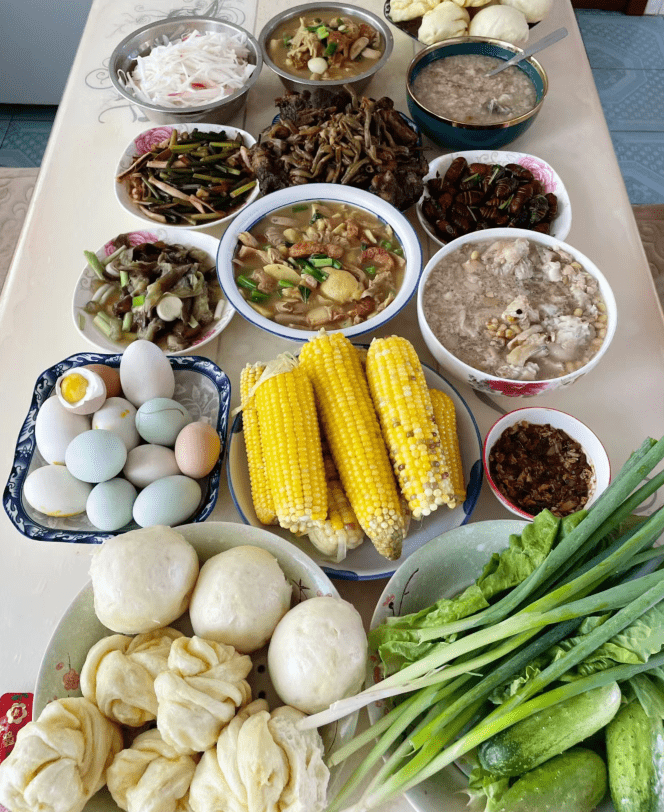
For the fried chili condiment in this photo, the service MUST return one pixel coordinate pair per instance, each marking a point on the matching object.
(537, 467)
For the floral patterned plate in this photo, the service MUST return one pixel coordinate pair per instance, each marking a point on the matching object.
(199, 385)
(83, 321)
(542, 171)
(364, 563)
(148, 138)
(79, 629)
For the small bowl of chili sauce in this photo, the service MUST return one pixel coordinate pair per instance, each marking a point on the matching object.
(538, 457)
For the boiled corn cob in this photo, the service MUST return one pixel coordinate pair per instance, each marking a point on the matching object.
(445, 415)
(401, 397)
(352, 430)
(261, 494)
(341, 531)
(290, 442)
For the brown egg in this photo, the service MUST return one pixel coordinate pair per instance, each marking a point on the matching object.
(197, 449)
(110, 376)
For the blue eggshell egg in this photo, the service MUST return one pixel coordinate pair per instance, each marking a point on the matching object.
(170, 501)
(109, 505)
(95, 455)
(160, 420)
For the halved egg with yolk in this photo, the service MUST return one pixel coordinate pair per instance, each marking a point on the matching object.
(81, 391)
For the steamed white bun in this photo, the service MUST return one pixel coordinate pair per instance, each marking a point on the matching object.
(142, 580)
(500, 22)
(534, 10)
(240, 596)
(318, 654)
(442, 22)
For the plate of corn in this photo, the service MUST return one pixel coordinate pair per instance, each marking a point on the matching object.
(357, 455)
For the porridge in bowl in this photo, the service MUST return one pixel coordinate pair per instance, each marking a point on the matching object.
(516, 309)
(456, 88)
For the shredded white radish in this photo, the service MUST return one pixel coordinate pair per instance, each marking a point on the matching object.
(195, 70)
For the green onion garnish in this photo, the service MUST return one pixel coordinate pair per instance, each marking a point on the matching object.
(257, 296)
(370, 270)
(245, 282)
(137, 301)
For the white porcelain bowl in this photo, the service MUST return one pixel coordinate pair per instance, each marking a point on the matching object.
(310, 193)
(595, 452)
(155, 135)
(483, 381)
(542, 171)
(83, 291)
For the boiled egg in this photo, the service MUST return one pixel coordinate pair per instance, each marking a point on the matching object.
(53, 490)
(119, 416)
(145, 373)
(80, 390)
(96, 455)
(55, 428)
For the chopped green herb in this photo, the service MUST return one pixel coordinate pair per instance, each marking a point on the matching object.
(137, 301)
(306, 293)
(257, 296)
(370, 270)
(299, 208)
(245, 282)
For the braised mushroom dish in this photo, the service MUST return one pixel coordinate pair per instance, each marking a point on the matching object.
(315, 265)
(325, 45)
(516, 309)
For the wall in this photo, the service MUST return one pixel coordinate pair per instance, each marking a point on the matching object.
(39, 41)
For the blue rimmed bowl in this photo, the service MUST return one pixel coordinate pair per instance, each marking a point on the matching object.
(325, 193)
(199, 385)
(456, 134)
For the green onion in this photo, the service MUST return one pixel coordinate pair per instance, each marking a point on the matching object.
(331, 49)
(124, 279)
(127, 321)
(137, 301)
(322, 32)
(299, 208)
(398, 251)
(318, 274)
(363, 246)
(107, 260)
(370, 270)
(287, 40)
(386, 245)
(193, 323)
(245, 282)
(226, 144)
(321, 262)
(315, 216)
(306, 293)
(284, 283)
(94, 263)
(257, 296)
(243, 189)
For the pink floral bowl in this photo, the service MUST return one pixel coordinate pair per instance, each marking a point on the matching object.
(146, 140)
(491, 384)
(543, 172)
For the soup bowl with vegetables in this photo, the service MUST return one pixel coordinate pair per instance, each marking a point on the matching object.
(319, 256)
(515, 312)
(453, 101)
(326, 46)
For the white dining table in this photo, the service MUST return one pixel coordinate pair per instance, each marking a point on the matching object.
(74, 208)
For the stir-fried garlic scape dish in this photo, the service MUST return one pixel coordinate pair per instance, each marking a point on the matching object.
(319, 265)
(393, 450)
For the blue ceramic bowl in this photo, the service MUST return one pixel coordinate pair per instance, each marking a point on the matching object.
(199, 384)
(454, 134)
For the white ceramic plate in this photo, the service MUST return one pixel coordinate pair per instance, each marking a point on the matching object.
(442, 569)
(79, 629)
(542, 171)
(147, 139)
(83, 292)
(364, 563)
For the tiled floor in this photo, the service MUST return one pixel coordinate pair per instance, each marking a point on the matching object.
(24, 132)
(627, 58)
(625, 53)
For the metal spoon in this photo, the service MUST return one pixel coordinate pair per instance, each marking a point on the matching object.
(554, 36)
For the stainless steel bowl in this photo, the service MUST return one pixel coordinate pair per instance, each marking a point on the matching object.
(359, 82)
(143, 40)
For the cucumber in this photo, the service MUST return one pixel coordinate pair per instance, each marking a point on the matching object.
(520, 748)
(634, 751)
(572, 782)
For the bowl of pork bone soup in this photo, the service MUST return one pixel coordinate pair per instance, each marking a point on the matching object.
(514, 312)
